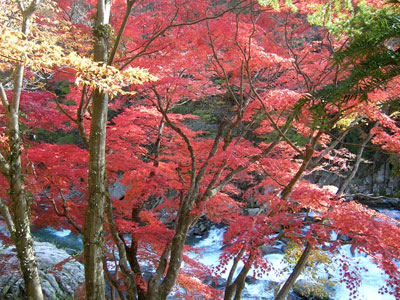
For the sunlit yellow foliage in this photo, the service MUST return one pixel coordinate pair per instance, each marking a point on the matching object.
(344, 123)
(47, 49)
(395, 115)
(317, 260)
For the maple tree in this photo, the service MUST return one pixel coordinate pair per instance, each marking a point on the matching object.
(28, 50)
(278, 94)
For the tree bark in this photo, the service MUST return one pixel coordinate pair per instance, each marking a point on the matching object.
(355, 167)
(93, 239)
(235, 289)
(18, 222)
(284, 291)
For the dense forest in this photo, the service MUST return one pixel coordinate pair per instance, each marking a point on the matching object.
(262, 117)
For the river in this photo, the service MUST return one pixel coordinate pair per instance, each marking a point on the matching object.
(372, 279)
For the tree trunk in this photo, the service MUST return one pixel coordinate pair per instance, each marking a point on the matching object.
(93, 239)
(355, 167)
(284, 291)
(160, 289)
(235, 289)
(19, 222)
(20, 208)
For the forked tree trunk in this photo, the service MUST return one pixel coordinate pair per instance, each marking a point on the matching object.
(235, 289)
(93, 240)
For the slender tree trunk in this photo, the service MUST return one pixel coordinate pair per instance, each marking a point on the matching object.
(160, 289)
(93, 230)
(284, 291)
(93, 239)
(175, 261)
(235, 289)
(356, 165)
(20, 208)
(19, 221)
(22, 236)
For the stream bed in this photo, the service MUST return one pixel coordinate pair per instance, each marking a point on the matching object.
(262, 288)
(372, 278)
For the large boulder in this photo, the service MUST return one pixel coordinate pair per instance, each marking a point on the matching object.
(60, 273)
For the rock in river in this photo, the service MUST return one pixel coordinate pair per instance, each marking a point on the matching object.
(59, 272)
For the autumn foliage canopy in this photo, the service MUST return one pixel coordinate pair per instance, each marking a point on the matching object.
(214, 107)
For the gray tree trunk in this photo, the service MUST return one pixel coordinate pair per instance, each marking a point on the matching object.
(93, 240)
(356, 165)
(284, 291)
(18, 221)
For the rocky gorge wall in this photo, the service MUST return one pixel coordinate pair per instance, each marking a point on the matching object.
(377, 179)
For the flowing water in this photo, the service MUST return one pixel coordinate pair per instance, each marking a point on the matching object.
(372, 278)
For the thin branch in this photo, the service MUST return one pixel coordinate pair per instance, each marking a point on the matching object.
(369, 197)
(80, 114)
(276, 127)
(128, 275)
(184, 137)
(65, 213)
(356, 164)
(215, 190)
(212, 153)
(4, 99)
(338, 140)
(4, 211)
(113, 281)
(20, 61)
(63, 110)
(306, 160)
(208, 193)
(296, 63)
(221, 66)
(157, 144)
(129, 5)
(171, 25)
(4, 166)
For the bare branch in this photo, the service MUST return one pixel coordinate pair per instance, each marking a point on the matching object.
(63, 110)
(129, 5)
(215, 190)
(306, 160)
(221, 66)
(128, 275)
(212, 153)
(212, 183)
(4, 99)
(296, 63)
(65, 213)
(4, 166)
(356, 164)
(337, 140)
(7, 216)
(83, 105)
(276, 127)
(113, 281)
(184, 137)
(172, 25)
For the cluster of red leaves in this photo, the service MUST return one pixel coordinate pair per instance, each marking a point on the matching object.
(192, 63)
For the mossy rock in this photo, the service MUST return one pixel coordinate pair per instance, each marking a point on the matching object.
(314, 290)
